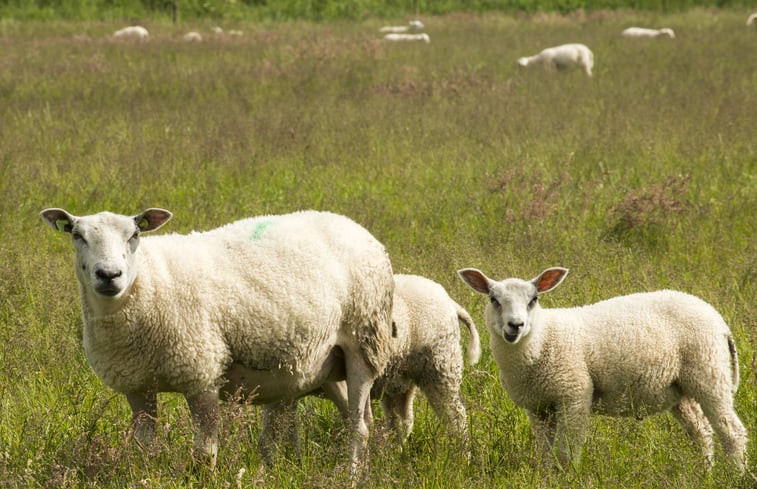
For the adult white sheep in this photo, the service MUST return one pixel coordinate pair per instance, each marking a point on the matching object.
(641, 32)
(407, 37)
(272, 306)
(632, 355)
(133, 32)
(425, 354)
(413, 25)
(563, 57)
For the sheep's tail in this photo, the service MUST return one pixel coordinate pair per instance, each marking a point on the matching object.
(474, 345)
(734, 362)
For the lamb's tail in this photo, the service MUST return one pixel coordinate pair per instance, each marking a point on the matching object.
(734, 363)
(474, 345)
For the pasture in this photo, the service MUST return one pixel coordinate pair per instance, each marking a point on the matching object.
(643, 177)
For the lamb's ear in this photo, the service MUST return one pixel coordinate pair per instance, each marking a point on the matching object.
(549, 279)
(58, 219)
(152, 219)
(475, 279)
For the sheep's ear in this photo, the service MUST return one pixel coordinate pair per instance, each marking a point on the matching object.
(58, 219)
(152, 219)
(549, 279)
(475, 279)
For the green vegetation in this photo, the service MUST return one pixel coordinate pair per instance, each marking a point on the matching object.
(643, 177)
(320, 10)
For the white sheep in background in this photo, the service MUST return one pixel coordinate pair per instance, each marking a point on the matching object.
(633, 355)
(413, 25)
(407, 37)
(133, 32)
(192, 36)
(752, 19)
(563, 57)
(426, 354)
(271, 307)
(640, 32)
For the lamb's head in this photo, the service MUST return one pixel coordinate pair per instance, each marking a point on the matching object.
(105, 245)
(512, 302)
(524, 61)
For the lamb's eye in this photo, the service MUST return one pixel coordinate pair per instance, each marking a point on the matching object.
(78, 237)
(134, 236)
(494, 301)
(533, 301)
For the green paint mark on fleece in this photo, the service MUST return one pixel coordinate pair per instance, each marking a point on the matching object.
(259, 228)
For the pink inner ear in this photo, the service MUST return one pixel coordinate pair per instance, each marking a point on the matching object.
(477, 281)
(549, 279)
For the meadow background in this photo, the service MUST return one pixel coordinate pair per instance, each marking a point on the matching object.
(643, 177)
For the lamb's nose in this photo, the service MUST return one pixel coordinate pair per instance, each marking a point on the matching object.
(515, 324)
(107, 274)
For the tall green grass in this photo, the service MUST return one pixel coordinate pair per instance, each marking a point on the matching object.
(643, 177)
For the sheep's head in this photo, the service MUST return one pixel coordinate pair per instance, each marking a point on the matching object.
(105, 246)
(512, 301)
(523, 62)
(666, 31)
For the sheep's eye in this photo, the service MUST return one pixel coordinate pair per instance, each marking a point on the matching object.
(78, 237)
(134, 236)
(533, 301)
(494, 301)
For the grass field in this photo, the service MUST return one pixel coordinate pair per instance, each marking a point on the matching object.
(643, 177)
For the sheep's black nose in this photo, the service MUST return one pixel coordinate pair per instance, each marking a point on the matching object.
(105, 274)
(515, 324)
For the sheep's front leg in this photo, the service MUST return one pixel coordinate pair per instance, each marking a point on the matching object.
(572, 420)
(144, 408)
(544, 426)
(204, 409)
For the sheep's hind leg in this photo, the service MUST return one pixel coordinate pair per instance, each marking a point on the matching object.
(144, 408)
(444, 398)
(204, 409)
(689, 413)
(360, 378)
(730, 430)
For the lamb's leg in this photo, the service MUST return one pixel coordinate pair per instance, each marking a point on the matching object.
(444, 398)
(279, 419)
(544, 427)
(690, 415)
(399, 411)
(144, 408)
(729, 428)
(572, 420)
(204, 409)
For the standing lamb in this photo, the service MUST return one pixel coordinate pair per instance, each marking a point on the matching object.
(272, 307)
(632, 355)
(426, 353)
(563, 57)
(639, 32)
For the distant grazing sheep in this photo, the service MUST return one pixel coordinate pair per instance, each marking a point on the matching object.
(193, 36)
(752, 19)
(134, 32)
(413, 25)
(633, 355)
(564, 57)
(407, 37)
(270, 308)
(639, 32)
